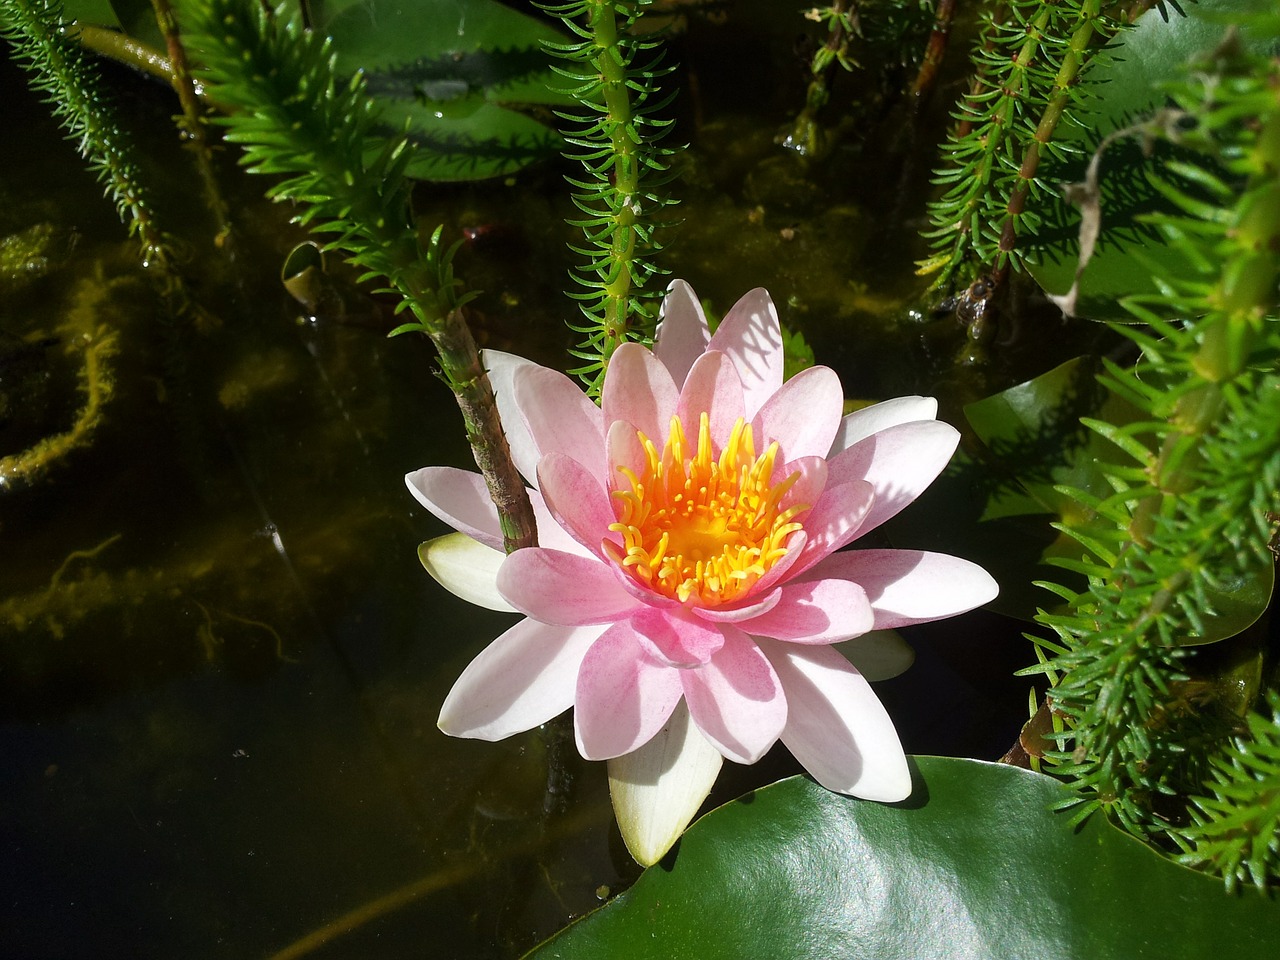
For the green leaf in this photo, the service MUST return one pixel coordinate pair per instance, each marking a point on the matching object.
(1130, 79)
(93, 11)
(1237, 603)
(995, 503)
(453, 72)
(973, 865)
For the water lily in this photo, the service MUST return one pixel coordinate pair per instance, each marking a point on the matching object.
(689, 586)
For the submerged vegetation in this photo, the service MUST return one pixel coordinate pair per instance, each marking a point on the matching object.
(1092, 288)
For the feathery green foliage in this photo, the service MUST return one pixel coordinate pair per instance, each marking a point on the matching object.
(1026, 63)
(1236, 830)
(1192, 512)
(44, 43)
(616, 136)
(296, 120)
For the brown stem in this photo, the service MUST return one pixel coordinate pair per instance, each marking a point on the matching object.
(192, 115)
(935, 50)
(465, 374)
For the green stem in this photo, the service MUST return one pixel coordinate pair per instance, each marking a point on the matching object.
(617, 277)
(1071, 62)
(295, 118)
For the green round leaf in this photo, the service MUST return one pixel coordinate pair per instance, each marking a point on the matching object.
(450, 73)
(973, 865)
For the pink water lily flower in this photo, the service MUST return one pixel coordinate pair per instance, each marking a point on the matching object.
(689, 583)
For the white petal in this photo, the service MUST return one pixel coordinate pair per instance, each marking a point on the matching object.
(501, 368)
(561, 418)
(911, 586)
(459, 498)
(836, 726)
(878, 655)
(880, 416)
(466, 568)
(524, 678)
(657, 789)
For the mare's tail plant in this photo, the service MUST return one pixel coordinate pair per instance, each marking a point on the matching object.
(1151, 732)
(1025, 66)
(616, 136)
(296, 120)
(44, 43)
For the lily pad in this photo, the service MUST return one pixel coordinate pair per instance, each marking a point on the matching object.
(454, 74)
(975, 864)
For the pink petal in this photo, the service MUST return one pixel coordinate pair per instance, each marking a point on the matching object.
(676, 639)
(835, 520)
(643, 593)
(682, 333)
(638, 389)
(576, 500)
(803, 415)
(743, 611)
(522, 679)
(502, 368)
(550, 533)
(899, 462)
(560, 417)
(459, 498)
(736, 700)
(752, 337)
(816, 611)
(563, 588)
(880, 416)
(808, 488)
(911, 586)
(836, 726)
(623, 698)
(712, 387)
(625, 450)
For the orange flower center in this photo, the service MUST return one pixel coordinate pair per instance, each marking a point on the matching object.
(699, 528)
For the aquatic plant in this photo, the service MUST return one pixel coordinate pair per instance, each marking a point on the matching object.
(686, 598)
(1024, 87)
(615, 76)
(293, 117)
(691, 594)
(44, 42)
(1186, 531)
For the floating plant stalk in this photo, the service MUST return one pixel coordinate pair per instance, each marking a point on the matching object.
(807, 136)
(616, 140)
(193, 123)
(295, 118)
(935, 50)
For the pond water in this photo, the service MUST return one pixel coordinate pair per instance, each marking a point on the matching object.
(220, 663)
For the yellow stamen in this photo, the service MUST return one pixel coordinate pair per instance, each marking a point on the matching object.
(703, 529)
